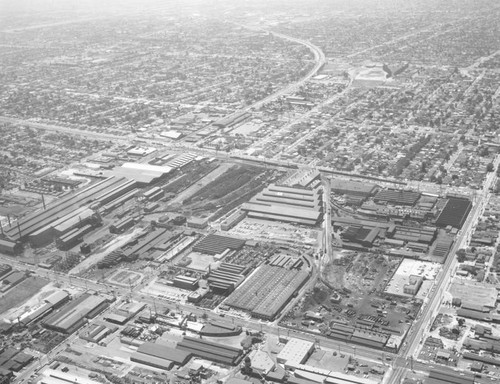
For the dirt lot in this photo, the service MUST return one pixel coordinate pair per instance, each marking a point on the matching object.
(22, 292)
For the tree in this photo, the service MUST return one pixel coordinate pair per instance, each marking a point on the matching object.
(490, 167)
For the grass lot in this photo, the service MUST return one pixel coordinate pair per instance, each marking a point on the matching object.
(16, 296)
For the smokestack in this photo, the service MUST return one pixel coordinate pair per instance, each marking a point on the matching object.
(43, 202)
(19, 228)
(8, 218)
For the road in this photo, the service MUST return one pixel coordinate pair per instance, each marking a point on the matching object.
(425, 318)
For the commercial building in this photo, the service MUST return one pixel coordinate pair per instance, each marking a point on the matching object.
(414, 284)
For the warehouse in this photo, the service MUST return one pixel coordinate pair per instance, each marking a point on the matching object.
(361, 235)
(106, 208)
(186, 282)
(73, 237)
(142, 174)
(397, 197)
(352, 188)
(73, 220)
(288, 204)
(211, 351)
(231, 120)
(181, 160)
(233, 219)
(296, 351)
(160, 356)
(454, 213)
(10, 247)
(73, 315)
(4, 269)
(446, 376)
(225, 278)
(216, 244)
(122, 225)
(267, 291)
(146, 243)
(278, 213)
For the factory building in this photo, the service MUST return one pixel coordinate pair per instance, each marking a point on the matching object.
(226, 278)
(39, 224)
(211, 351)
(186, 282)
(74, 314)
(296, 351)
(152, 353)
(267, 291)
(288, 204)
(352, 188)
(10, 247)
(233, 219)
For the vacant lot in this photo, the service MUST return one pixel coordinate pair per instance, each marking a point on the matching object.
(22, 292)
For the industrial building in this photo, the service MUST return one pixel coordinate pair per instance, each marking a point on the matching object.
(288, 204)
(216, 244)
(10, 247)
(95, 333)
(352, 188)
(57, 229)
(186, 282)
(397, 197)
(124, 313)
(49, 304)
(233, 219)
(348, 333)
(211, 351)
(160, 356)
(447, 376)
(74, 314)
(267, 291)
(13, 360)
(454, 213)
(142, 174)
(295, 351)
(231, 120)
(122, 225)
(226, 278)
(43, 221)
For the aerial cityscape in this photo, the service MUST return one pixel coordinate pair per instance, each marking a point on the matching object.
(250, 192)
